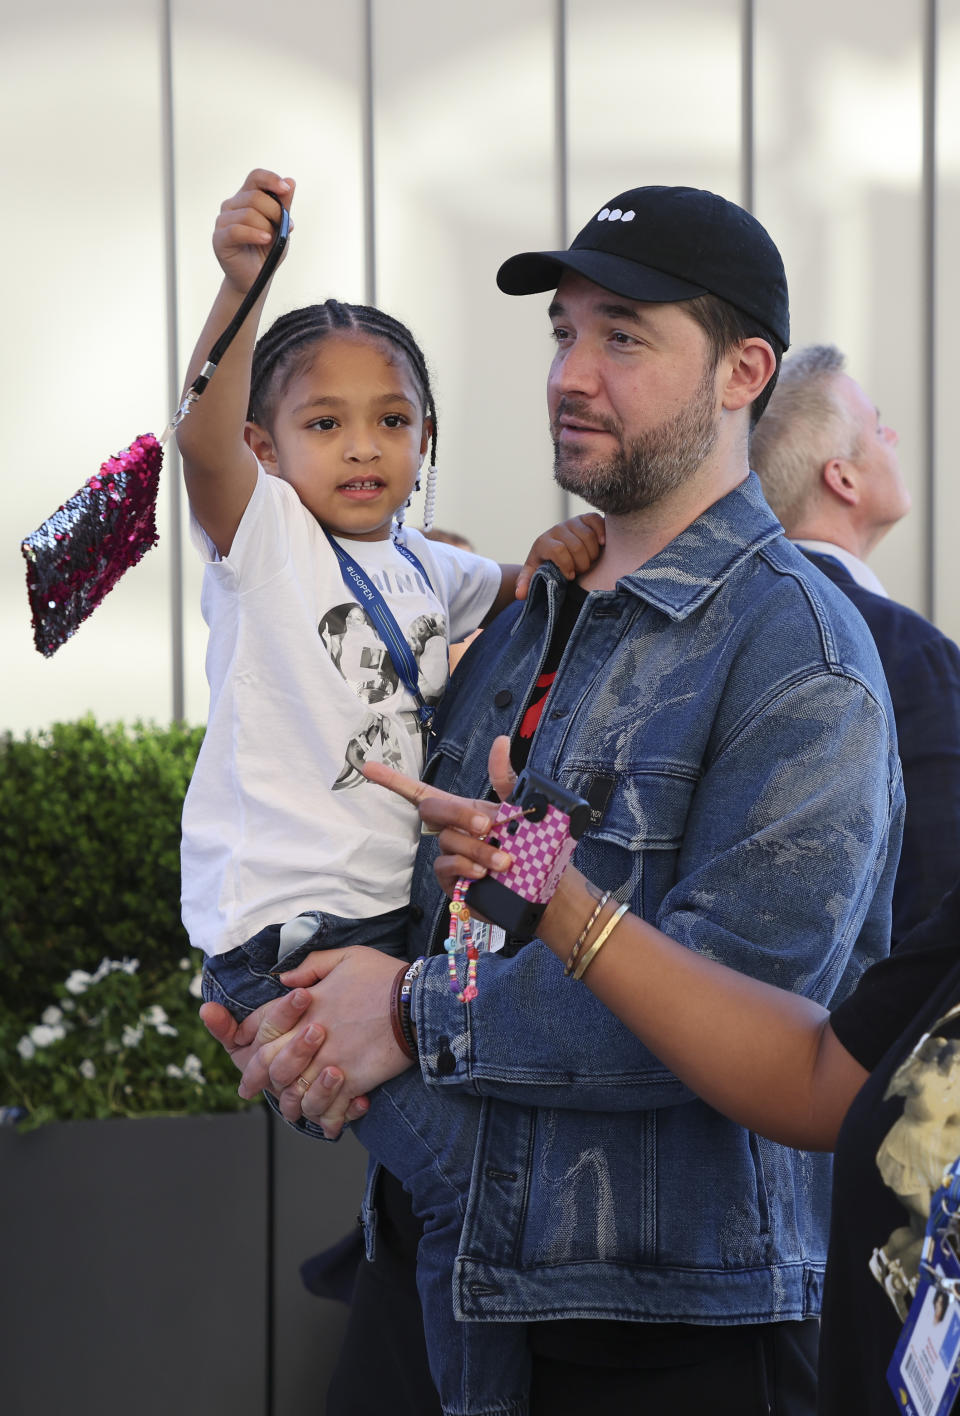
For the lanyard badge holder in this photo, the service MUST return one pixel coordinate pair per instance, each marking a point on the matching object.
(924, 1374)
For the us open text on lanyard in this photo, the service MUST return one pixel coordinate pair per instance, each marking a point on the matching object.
(401, 655)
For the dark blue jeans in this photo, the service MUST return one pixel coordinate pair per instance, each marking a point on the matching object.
(426, 1137)
(245, 978)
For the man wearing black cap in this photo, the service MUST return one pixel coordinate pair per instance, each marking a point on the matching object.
(706, 692)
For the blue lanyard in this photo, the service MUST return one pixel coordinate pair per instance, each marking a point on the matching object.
(944, 1210)
(401, 655)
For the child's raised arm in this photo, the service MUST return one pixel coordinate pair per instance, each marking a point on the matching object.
(219, 468)
(572, 545)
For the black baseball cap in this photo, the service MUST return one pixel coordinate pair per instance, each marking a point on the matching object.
(668, 244)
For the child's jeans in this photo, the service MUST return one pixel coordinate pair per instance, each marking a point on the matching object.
(426, 1138)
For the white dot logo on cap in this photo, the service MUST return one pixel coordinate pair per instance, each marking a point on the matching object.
(616, 214)
(628, 216)
(603, 215)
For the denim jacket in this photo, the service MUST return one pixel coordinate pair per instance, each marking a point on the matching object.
(724, 712)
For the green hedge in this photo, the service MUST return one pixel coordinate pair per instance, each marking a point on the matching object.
(90, 870)
(90, 852)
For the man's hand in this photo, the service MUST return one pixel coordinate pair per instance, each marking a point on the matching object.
(273, 1029)
(266, 1025)
(321, 1071)
(572, 545)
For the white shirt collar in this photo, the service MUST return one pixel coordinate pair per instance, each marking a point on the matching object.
(859, 569)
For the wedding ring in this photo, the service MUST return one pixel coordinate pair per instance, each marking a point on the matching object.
(303, 1084)
(426, 830)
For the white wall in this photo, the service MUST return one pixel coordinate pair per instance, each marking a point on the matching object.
(473, 159)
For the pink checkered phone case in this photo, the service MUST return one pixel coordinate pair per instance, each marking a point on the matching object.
(539, 827)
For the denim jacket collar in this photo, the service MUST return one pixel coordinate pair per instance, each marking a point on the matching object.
(693, 566)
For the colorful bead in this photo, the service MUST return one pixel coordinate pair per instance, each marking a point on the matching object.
(461, 937)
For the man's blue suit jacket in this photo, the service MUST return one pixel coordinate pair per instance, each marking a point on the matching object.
(923, 672)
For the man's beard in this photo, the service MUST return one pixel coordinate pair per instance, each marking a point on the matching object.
(650, 466)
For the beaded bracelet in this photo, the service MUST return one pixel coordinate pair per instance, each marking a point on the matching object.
(460, 924)
(600, 940)
(405, 1000)
(574, 952)
(404, 1044)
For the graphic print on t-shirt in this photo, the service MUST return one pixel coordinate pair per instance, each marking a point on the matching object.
(360, 655)
(920, 1144)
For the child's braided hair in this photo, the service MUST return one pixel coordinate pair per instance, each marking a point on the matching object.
(281, 353)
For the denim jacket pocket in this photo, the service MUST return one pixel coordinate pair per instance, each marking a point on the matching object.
(442, 765)
(633, 848)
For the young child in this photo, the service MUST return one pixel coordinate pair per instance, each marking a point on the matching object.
(318, 432)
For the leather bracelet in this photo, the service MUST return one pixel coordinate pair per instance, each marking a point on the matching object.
(600, 940)
(574, 952)
(395, 1022)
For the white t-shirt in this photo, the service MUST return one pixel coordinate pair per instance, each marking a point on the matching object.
(278, 817)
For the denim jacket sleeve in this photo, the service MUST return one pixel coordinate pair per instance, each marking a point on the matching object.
(784, 845)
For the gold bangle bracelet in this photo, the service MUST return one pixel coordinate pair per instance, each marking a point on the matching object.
(575, 951)
(600, 940)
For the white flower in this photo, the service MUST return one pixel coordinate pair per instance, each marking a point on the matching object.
(184, 964)
(193, 1067)
(42, 1035)
(196, 986)
(173, 1071)
(68, 1005)
(166, 1030)
(130, 1037)
(87, 1069)
(26, 1048)
(155, 1015)
(79, 981)
(111, 1045)
(109, 966)
(51, 1015)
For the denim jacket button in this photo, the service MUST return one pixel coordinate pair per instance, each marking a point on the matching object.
(446, 1062)
(503, 699)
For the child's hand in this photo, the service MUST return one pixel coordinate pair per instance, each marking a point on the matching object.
(573, 546)
(246, 226)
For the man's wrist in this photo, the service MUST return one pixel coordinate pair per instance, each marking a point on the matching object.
(401, 1019)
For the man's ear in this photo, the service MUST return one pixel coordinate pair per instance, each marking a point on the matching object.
(749, 368)
(261, 444)
(839, 476)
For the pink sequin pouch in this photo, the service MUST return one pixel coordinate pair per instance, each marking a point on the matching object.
(80, 552)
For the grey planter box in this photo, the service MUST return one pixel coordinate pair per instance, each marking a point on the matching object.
(151, 1265)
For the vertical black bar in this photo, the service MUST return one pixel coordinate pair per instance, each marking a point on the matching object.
(171, 455)
(748, 28)
(929, 280)
(561, 157)
(270, 1305)
(369, 170)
